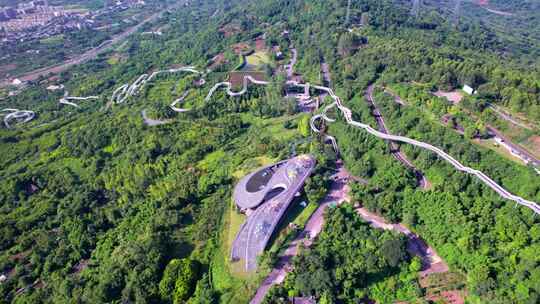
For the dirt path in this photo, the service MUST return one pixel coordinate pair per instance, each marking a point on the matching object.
(508, 117)
(431, 262)
(397, 99)
(290, 67)
(152, 122)
(338, 193)
(454, 97)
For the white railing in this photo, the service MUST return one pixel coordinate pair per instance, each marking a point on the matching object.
(229, 87)
(122, 93)
(21, 116)
(483, 177)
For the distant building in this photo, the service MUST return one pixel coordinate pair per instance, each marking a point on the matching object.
(55, 87)
(468, 90)
(8, 14)
(16, 82)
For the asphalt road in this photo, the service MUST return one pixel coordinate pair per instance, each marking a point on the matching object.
(399, 155)
(524, 154)
(88, 55)
(347, 113)
(432, 262)
(337, 194)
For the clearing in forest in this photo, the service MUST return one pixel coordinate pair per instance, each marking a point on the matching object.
(533, 143)
(447, 287)
(237, 78)
(260, 44)
(257, 58)
(455, 96)
(240, 48)
(255, 61)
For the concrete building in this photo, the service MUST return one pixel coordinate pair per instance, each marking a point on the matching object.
(467, 89)
(264, 196)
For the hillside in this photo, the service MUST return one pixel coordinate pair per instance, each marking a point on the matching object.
(118, 188)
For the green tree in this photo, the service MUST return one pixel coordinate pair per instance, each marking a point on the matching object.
(204, 294)
(178, 280)
(303, 126)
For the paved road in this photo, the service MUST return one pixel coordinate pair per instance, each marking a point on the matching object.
(255, 233)
(517, 149)
(88, 55)
(396, 152)
(338, 194)
(431, 261)
(347, 113)
(313, 227)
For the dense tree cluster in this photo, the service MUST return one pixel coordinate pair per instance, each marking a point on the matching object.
(99, 207)
(349, 262)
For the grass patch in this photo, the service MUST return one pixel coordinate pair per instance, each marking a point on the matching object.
(295, 214)
(76, 165)
(212, 160)
(251, 164)
(257, 59)
(437, 282)
(234, 284)
(113, 60)
(274, 126)
(306, 213)
(230, 279)
(56, 39)
(491, 144)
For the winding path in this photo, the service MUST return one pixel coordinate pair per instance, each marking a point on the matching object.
(313, 227)
(395, 150)
(228, 85)
(289, 68)
(21, 116)
(176, 101)
(460, 167)
(347, 113)
(152, 122)
(122, 93)
(66, 99)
